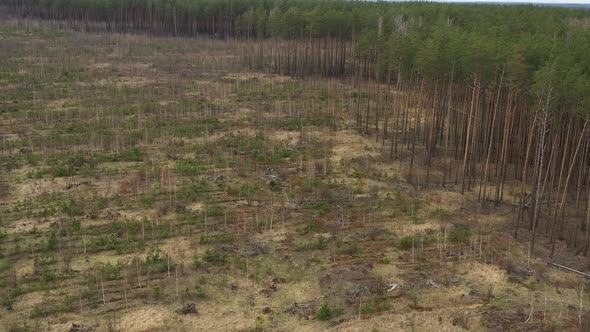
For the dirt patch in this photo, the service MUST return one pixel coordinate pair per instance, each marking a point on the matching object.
(342, 274)
(34, 187)
(179, 249)
(101, 65)
(348, 144)
(195, 207)
(247, 76)
(145, 319)
(292, 138)
(59, 104)
(127, 81)
(27, 301)
(28, 224)
(484, 273)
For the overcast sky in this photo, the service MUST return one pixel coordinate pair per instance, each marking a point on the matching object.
(517, 1)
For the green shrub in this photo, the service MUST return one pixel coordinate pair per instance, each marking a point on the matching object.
(459, 233)
(399, 202)
(260, 324)
(156, 293)
(200, 293)
(38, 312)
(405, 242)
(15, 327)
(75, 225)
(52, 241)
(441, 214)
(217, 238)
(157, 262)
(63, 171)
(282, 153)
(68, 304)
(247, 189)
(319, 244)
(133, 154)
(202, 280)
(239, 263)
(321, 206)
(324, 313)
(4, 265)
(73, 208)
(214, 211)
(385, 305)
(214, 256)
(368, 308)
(9, 298)
(310, 227)
(48, 275)
(190, 167)
(112, 271)
(193, 190)
(104, 243)
(349, 248)
(308, 186)
(197, 262)
(32, 159)
(147, 200)
(101, 203)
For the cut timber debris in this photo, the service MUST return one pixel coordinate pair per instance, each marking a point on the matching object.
(188, 309)
(80, 328)
(431, 283)
(392, 287)
(357, 292)
(550, 262)
(304, 309)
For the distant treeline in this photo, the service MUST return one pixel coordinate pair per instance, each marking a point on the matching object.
(432, 39)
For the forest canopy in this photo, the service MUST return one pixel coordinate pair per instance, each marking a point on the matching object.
(536, 46)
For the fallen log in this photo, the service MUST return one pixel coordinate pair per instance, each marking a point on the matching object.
(550, 262)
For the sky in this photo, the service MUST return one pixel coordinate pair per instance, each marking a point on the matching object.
(522, 1)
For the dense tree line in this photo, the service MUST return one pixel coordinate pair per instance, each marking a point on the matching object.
(424, 37)
(497, 94)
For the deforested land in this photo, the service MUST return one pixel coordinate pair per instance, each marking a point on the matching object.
(272, 165)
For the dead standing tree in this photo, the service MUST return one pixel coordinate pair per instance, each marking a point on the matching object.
(542, 120)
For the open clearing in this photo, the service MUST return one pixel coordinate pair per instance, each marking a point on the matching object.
(143, 174)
